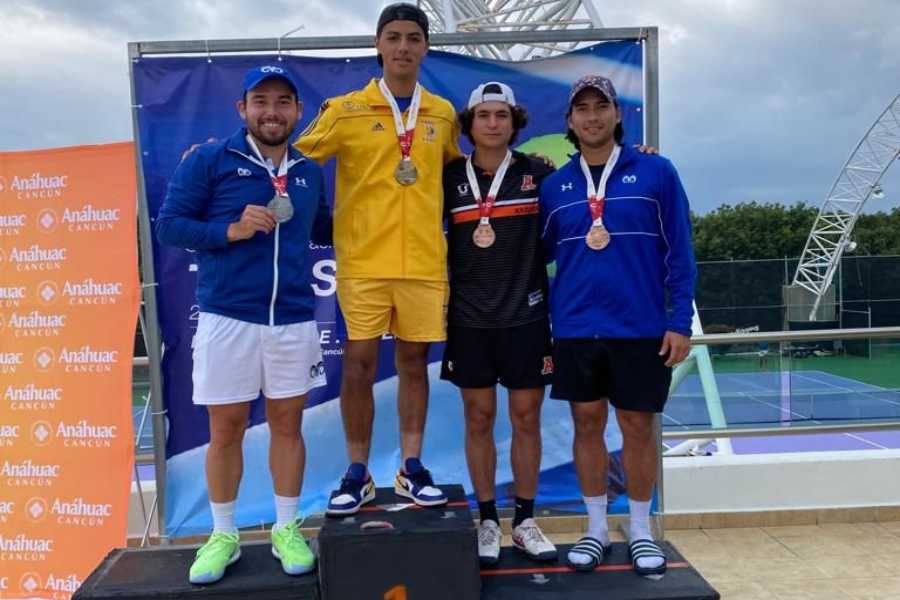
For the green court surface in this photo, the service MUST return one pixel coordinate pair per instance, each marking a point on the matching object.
(882, 369)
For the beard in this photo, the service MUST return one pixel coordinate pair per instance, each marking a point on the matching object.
(271, 138)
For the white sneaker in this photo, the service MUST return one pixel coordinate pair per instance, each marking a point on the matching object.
(529, 538)
(489, 542)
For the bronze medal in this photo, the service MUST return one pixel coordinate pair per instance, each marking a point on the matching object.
(484, 236)
(282, 207)
(597, 238)
(406, 173)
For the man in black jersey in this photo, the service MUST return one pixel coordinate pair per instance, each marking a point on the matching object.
(497, 324)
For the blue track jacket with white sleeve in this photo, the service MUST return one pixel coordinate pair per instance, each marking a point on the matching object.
(620, 291)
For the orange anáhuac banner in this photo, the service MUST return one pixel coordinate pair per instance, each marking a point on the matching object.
(69, 297)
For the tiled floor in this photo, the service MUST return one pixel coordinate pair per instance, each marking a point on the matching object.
(840, 561)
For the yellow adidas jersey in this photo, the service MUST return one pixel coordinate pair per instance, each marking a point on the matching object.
(383, 229)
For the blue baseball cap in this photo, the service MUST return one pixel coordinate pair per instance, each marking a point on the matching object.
(257, 75)
(597, 82)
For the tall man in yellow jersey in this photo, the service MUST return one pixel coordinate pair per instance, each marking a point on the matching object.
(391, 140)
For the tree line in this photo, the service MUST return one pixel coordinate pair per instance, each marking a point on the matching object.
(753, 230)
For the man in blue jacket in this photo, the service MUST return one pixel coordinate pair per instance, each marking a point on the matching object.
(617, 223)
(249, 206)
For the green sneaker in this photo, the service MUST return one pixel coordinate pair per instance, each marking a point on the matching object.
(219, 551)
(290, 548)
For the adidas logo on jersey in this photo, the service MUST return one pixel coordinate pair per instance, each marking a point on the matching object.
(378, 126)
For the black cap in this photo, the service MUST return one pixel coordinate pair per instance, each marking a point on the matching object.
(401, 11)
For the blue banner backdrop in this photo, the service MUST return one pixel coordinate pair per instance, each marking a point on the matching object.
(186, 100)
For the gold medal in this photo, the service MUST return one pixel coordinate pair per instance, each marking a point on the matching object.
(406, 173)
(484, 236)
(597, 238)
(282, 207)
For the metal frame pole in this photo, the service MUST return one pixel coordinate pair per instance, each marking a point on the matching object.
(648, 36)
(150, 317)
(650, 43)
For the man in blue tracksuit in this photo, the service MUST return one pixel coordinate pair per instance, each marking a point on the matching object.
(249, 206)
(617, 223)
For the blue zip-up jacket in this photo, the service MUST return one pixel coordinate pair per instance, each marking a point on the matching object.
(620, 291)
(268, 278)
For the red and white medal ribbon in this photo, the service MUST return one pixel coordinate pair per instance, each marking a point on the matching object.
(486, 206)
(405, 131)
(280, 204)
(597, 195)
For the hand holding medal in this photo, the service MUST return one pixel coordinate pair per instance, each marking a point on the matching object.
(484, 235)
(598, 236)
(280, 204)
(405, 173)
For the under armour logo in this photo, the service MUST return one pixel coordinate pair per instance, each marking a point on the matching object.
(629, 179)
(301, 181)
(243, 172)
(566, 187)
(463, 189)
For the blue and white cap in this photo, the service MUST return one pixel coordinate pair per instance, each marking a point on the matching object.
(492, 91)
(257, 75)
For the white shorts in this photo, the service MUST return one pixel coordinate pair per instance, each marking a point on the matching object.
(234, 360)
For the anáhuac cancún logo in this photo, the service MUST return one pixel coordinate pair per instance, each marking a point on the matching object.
(87, 360)
(35, 324)
(21, 548)
(28, 474)
(12, 296)
(9, 435)
(85, 434)
(90, 292)
(7, 508)
(11, 362)
(37, 258)
(76, 360)
(61, 586)
(35, 186)
(91, 218)
(80, 513)
(12, 225)
(31, 397)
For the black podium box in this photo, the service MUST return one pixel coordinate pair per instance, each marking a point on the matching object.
(516, 577)
(161, 573)
(392, 550)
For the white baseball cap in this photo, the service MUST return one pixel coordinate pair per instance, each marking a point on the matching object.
(492, 91)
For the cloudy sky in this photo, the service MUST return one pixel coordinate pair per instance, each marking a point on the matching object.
(760, 99)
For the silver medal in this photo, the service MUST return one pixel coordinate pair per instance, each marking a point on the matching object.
(406, 173)
(282, 207)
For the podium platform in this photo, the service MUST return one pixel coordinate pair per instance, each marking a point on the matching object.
(516, 577)
(391, 550)
(395, 549)
(162, 573)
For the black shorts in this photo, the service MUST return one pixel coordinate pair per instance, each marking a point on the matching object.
(628, 371)
(519, 357)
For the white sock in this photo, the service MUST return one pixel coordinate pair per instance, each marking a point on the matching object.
(285, 509)
(223, 516)
(639, 529)
(598, 527)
